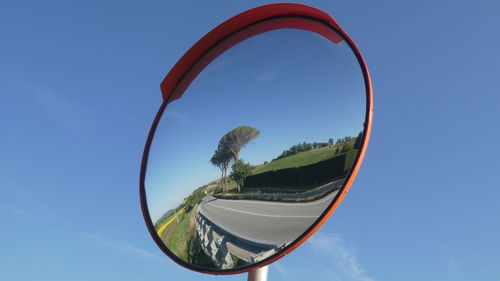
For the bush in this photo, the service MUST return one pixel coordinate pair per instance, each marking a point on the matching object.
(347, 147)
(194, 199)
(240, 170)
(218, 190)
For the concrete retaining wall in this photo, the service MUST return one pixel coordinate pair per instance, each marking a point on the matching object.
(213, 242)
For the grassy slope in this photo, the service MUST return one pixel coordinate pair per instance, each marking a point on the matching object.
(297, 160)
(177, 238)
(182, 239)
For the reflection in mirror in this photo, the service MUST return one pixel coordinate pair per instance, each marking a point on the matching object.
(256, 149)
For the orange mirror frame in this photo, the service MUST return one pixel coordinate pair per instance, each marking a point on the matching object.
(209, 47)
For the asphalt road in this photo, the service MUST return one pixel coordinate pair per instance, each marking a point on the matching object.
(264, 222)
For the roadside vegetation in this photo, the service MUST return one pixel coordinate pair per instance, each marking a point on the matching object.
(182, 239)
(255, 196)
(178, 231)
(176, 236)
(194, 199)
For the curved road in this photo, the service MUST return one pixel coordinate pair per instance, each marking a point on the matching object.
(274, 223)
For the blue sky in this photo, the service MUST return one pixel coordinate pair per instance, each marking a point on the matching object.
(79, 87)
(292, 85)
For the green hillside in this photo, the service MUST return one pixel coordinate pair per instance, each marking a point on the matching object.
(297, 160)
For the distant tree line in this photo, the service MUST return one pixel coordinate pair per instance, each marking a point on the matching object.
(302, 147)
(305, 146)
(345, 140)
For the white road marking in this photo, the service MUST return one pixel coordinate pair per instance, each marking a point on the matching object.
(263, 215)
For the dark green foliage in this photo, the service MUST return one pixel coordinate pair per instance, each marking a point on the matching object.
(286, 177)
(349, 161)
(338, 150)
(345, 140)
(237, 138)
(357, 142)
(240, 171)
(255, 180)
(347, 147)
(218, 190)
(194, 199)
(195, 253)
(310, 175)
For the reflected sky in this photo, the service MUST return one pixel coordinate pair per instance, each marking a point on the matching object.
(292, 85)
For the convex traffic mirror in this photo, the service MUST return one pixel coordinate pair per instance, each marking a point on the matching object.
(262, 129)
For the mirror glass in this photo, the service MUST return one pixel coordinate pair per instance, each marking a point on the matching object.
(256, 149)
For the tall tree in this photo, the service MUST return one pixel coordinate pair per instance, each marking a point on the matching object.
(222, 158)
(237, 138)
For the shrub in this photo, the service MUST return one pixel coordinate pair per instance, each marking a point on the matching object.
(308, 175)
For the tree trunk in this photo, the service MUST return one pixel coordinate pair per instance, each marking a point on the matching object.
(224, 181)
(222, 177)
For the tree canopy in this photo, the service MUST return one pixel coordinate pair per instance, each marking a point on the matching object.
(237, 138)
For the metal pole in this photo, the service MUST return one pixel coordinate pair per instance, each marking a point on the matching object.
(258, 274)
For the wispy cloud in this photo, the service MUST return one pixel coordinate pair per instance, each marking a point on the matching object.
(268, 75)
(345, 265)
(71, 114)
(177, 115)
(122, 247)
